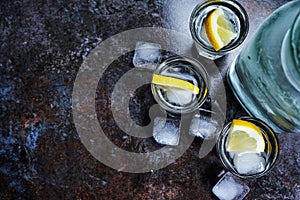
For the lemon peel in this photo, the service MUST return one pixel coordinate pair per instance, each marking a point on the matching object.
(174, 82)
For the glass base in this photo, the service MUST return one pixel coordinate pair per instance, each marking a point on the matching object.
(240, 94)
(257, 76)
(289, 64)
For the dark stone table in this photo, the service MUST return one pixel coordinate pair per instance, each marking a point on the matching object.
(42, 46)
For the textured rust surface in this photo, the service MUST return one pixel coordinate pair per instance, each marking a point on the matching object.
(42, 45)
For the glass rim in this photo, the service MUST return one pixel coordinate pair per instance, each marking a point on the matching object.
(243, 15)
(199, 69)
(276, 151)
(295, 37)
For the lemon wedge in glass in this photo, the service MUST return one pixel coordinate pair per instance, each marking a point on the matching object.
(174, 82)
(219, 30)
(245, 136)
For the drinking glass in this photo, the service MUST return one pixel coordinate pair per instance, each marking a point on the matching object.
(265, 76)
(250, 166)
(179, 100)
(237, 16)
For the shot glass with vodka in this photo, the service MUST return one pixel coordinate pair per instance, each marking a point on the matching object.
(243, 163)
(225, 19)
(180, 85)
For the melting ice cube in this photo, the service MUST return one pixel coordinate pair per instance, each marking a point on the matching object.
(204, 127)
(249, 163)
(230, 188)
(166, 131)
(179, 96)
(146, 55)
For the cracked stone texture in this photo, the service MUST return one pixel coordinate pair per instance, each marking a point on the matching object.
(42, 45)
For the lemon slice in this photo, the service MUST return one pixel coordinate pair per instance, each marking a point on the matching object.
(219, 29)
(245, 136)
(174, 82)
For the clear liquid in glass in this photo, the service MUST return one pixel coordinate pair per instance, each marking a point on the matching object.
(177, 100)
(251, 164)
(236, 15)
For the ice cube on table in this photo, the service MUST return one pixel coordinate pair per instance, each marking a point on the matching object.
(179, 96)
(166, 131)
(230, 188)
(249, 163)
(146, 55)
(204, 127)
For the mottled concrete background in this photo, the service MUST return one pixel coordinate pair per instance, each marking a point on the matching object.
(42, 45)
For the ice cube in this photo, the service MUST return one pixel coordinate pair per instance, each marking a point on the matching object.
(204, 127)
(249, 163)
(179, 96)
(166, 131)
(230, 188)
(146, 55)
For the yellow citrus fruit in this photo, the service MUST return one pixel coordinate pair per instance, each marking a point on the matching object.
(245, 136)
(174, 82)
(219, 29)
